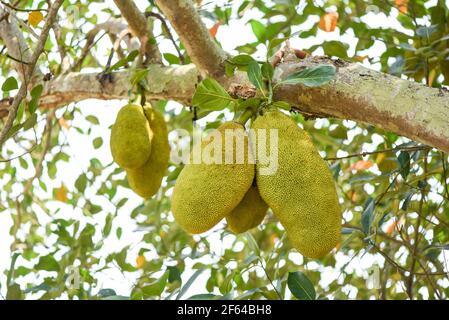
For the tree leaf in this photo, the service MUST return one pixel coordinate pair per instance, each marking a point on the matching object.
(10, 84)
(259, 30)
(312, 77)
(255, 75)
(267, 71)
(210, 95)
(404, 164)
(47, 263)
(189, 283)
(300, 286)
(367, 215)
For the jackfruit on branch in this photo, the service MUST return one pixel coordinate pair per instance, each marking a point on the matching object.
(301, 192)
(146, 180)
(249, 213)
(205, 191)
(131, 137)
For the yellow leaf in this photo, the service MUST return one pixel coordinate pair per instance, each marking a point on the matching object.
(34, 17)
(140, 261)
(61, 193)
(328, 22)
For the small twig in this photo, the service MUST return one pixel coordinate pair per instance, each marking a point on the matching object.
(362, 154)
(13, 7)
(170, 36)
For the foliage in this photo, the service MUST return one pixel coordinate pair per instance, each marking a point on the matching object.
(59, 225)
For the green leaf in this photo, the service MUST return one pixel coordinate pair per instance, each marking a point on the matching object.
(367, 215)
(171, 58)
(97, 142)
(241, 60)
(312, 77)
(47, 263)
(267, 71)
(10, 84)
(30, 122)
(14, 292)
(92, 119)
(35, 93)
(204, 296)
(157, 287)
(81, 183)
(123, 62)
(259, 30)
(282, 105)
(300, 286)
(210, 95)
(189, 283)
(404, 164)
(255, 75)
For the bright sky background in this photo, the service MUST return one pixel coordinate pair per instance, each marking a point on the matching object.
(81, 151)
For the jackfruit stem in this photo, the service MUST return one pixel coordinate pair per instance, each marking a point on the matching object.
(245, 116)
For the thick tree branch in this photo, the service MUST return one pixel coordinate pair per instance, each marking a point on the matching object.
(357, 93)
(202, 49)
(12, 111)
(138, 25)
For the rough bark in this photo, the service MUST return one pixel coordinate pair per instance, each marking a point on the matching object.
(202, 49)
(357, 93)
(139, 27)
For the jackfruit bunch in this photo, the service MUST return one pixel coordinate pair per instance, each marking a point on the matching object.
(139, 144)
(300, 191)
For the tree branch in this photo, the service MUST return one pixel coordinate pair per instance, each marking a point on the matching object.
(201, 47)
(138, 25)
(14, 41)
(12, 111)
(357, 93)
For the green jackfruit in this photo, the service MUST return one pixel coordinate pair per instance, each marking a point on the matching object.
(131, 137)
(301, 192)
(249, 213)
(206, 191)
(146, 180)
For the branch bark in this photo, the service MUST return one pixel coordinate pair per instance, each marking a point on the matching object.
(357, 93)
(138, 25)
(12, 111)
(201, 47)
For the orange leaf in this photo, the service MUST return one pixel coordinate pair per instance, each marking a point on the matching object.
(328, 22)
(401, 5)
(63, 123)
(34, 17)
(391, 227)
(361, 165)
(61, 193)
(140, 261)
(213, 31)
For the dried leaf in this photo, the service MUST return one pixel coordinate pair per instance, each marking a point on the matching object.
(34, 17)
(328, 22)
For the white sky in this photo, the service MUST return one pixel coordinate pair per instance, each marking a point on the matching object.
(81, 151)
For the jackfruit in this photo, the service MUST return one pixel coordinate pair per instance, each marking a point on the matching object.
(146, 180)
(301, 192)
(249, 213)
(131, 137)
(207, 191)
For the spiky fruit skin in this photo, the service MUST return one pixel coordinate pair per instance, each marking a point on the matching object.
(131, 137)
(302, 192)
(249, 213)
(205, 193)
(146, 180)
